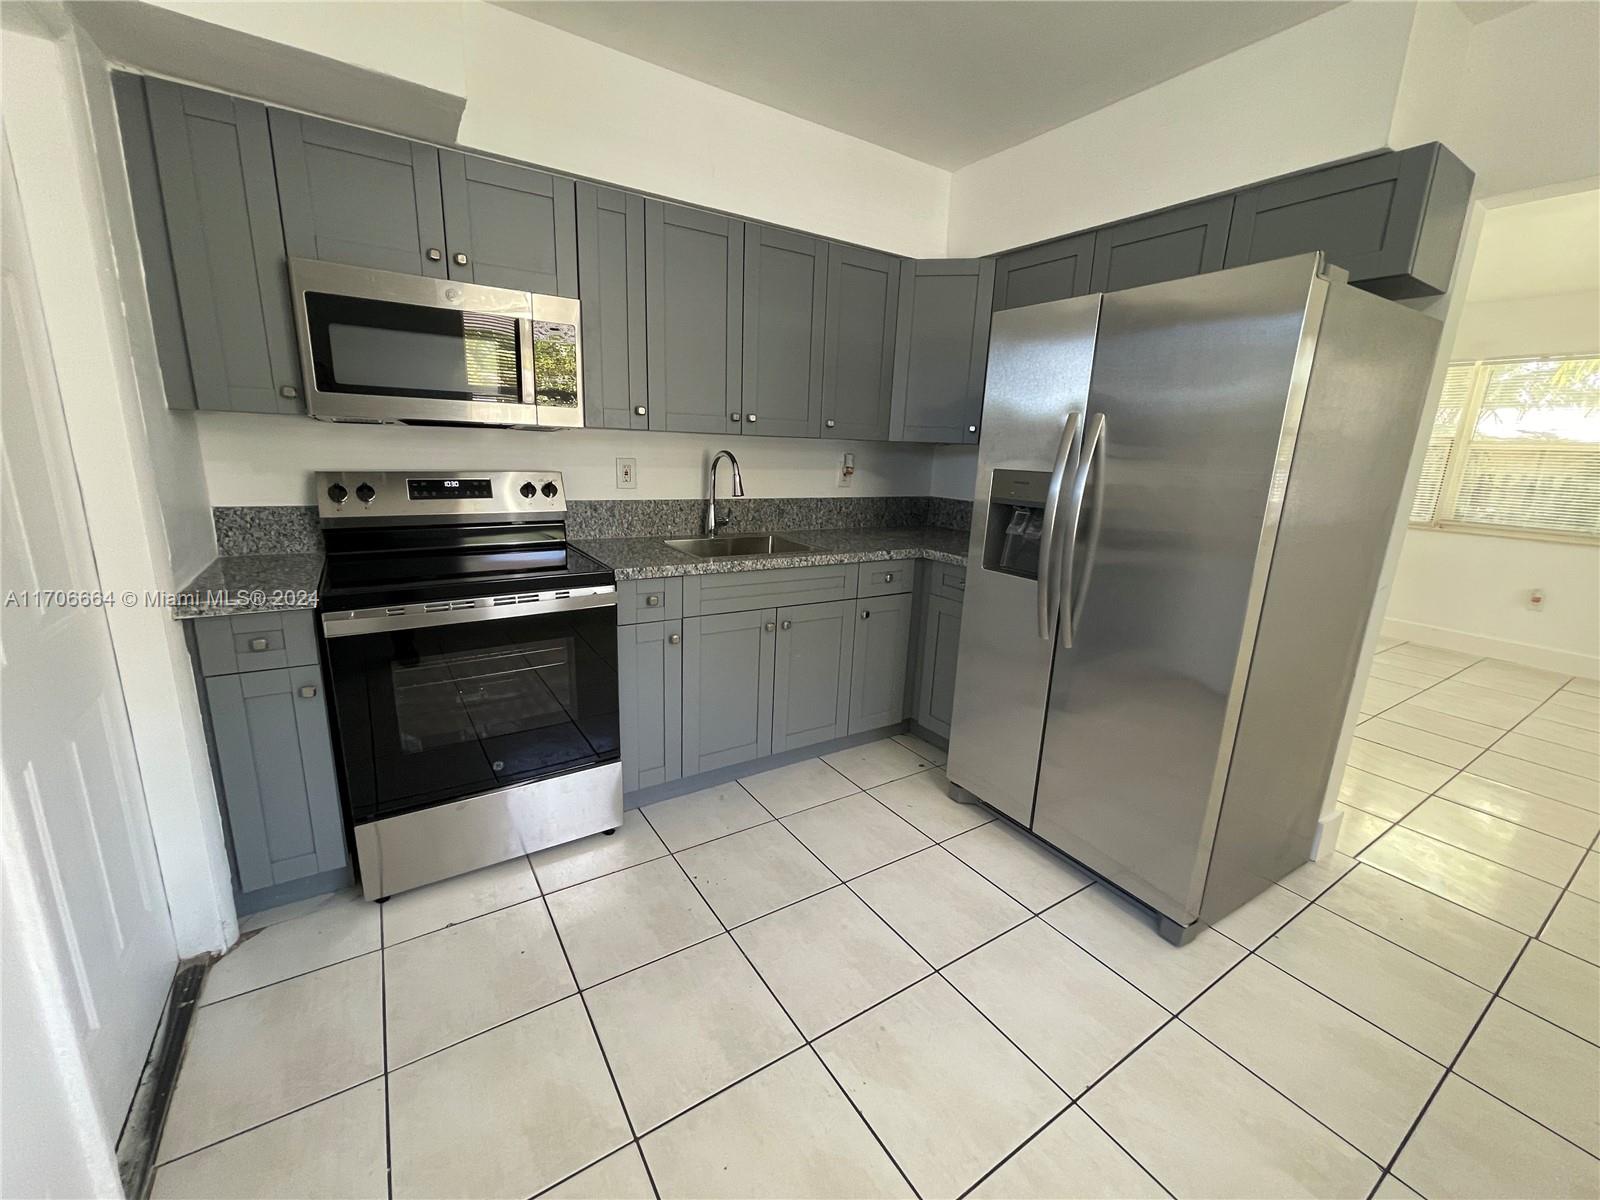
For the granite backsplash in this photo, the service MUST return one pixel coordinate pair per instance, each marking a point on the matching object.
(293, 529)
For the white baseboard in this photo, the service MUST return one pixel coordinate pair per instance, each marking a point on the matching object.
(1545, 658)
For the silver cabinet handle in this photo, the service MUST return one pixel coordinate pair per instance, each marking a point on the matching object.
(308, 692)
(829, 424)
(258, 643)
(787, 625)
(289, 392)
(461, 259)
(888, 576)
(751, 417)
(734, 417)
(865, 613)
(972, 429)
(653, 600)
(673, 639)
(771, 626)
(639, 411)
(435, 254)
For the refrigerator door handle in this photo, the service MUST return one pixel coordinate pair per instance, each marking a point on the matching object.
(1049, 594)
(1092, 462)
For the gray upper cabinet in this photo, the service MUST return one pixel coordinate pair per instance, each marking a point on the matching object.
(727, 688)
(278, 781)
(650, 696)
(941, 350)
(1392, 220)
(858, 357)
(611, 296)
(694, 317)
(206, 206)
(1167, 245)
(1057, 270)
(878, 666)
(811, 694)
(509, 226)
(785, 299)
(353, 196)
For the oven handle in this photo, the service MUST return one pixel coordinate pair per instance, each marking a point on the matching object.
(452, 612)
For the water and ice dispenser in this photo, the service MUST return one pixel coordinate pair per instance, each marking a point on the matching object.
(1016, 522)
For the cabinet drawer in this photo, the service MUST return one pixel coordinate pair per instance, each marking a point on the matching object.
(640, 600)
(255, 642)
(740, 591)
(947, 581)
(886, 579)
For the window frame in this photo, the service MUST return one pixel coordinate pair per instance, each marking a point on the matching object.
(1456, 464)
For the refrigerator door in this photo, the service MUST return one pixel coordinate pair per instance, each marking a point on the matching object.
(1039, 363)
(1199, 384)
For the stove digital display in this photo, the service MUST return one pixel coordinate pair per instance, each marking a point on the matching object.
(449, 489)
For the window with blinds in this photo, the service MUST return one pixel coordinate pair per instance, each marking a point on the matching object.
(1515, 445)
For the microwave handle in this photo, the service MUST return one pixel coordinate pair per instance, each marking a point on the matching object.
(528, 384)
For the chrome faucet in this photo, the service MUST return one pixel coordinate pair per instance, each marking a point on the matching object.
(711, 489)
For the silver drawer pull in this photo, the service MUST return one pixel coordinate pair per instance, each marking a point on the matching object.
(888, 576)
(258, 643)
(461, 260)
(771, 626)
(639, 411)
(750, 417)
(865, 614)
(829, 424)
(653, 600)
(673, 639)
(735, 416)
(435, 254)
(787, 625)
(309, 692)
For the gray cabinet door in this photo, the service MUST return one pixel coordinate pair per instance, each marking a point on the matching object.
(353, 196)
(936, 664)
(514, 226)
(1057, 270)
(785, 304)
(694, 314)
(611, 293)
(811, 696)
(219, 217)
(878, 664)
(1392, 220)
(727, 688)
(941, 350)
(1167, 245)
(650, 692)
(858, 356)
(278, 782)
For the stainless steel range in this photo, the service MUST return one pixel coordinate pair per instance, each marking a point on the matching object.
(471, 655)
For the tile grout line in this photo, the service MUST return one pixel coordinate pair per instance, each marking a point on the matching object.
(383, 1019)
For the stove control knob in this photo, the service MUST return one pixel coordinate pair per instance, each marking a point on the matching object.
(365, 492)
(549, 490)
(338, 493)
(528, 490)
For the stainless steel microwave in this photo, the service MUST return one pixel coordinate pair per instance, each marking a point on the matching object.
(377, 346)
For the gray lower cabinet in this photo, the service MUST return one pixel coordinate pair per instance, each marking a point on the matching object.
(205, 201)
(279, 786)
(354, 196)
(941, 350)
(650, 691)
(785, 300)
(858, 356)
(878, 664)
(811, 689)
(1057, 270)
(728, 663)
(1392, 220)
(694, 318)
(509, 226)
(611, 296)
(936, 663)
(1167, 245)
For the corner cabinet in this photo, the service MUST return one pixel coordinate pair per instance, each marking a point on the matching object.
(858, 355)
(785, 302)
(611, 299)
(694, 318)
(941, 350)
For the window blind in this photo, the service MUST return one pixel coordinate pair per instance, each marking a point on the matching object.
(1446, 424)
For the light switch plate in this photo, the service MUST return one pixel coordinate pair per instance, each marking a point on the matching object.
(627, 473)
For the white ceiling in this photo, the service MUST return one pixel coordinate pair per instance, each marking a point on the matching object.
(944, 83)
(1540, 248)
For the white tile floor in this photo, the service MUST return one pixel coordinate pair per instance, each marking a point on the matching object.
(830, 980)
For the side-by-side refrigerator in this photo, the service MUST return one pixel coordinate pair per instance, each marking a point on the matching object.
(1184, 495)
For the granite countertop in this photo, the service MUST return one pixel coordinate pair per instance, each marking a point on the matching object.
(251, 583)
(651, 558)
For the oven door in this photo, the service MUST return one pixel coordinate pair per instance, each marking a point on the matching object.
(380, 346)
(443, 702)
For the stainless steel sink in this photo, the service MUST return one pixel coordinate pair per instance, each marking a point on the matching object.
(740, 546)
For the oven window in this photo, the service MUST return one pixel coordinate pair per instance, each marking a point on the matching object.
(454, 710)
(377, 347)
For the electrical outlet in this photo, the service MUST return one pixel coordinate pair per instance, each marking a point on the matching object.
(627, 473)
(847, 470)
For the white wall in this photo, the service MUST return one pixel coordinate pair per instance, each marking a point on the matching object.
(1322, 90)
(1529, 325)
(269, 460)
